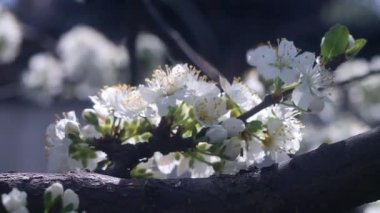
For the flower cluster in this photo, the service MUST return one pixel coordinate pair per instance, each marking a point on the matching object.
(291, 67)
(179, 124)
(86, 61)
(194, 108)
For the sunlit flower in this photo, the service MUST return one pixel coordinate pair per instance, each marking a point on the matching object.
(207, 110)
(122, 101)
(272, 63)
(58, 142)
(283, 132)
(241, 94)
(307, 95)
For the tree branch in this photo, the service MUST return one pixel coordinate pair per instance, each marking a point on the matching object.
(175, 40)
(357, 78)
(334, 177)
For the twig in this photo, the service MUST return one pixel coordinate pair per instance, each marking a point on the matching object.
(269, 100)
(357, 78)
(177, 40)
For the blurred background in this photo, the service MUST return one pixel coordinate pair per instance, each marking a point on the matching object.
(55, 53)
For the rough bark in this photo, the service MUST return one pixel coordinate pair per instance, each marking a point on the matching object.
(334, 177)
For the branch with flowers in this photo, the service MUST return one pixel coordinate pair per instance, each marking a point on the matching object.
(179, 124)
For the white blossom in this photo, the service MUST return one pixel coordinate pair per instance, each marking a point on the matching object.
(272, 63)
(57, 146)
(43, 80)
(253, 82)
(123, 101)
(90, 60)
(14, 201)
(10, 36)
(165, 163)
(283, 134)
(307, 94)
(241, 94)
(193, 168)
(208, 109)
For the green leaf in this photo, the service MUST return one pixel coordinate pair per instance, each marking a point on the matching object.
(335, 42)
(355, 49)
(254, 126)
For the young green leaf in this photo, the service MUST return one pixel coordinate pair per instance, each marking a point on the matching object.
(335, 42)
(355, 49)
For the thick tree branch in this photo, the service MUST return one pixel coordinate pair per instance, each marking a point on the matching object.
(332, 178)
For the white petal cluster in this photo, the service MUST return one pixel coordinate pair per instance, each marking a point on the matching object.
(287, 64)
(283, 135)
(57, 146)
(90, 58)
(307, 94)
(241, 94)
(44, 78)
(122, 101)
(208, 109)
(86, 62)
(179, 93)
(10, 36)
(15, 201)
(272, 63)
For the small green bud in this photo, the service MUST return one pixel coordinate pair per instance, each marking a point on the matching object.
(89, 116)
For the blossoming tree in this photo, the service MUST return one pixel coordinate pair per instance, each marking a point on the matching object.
(218, 145)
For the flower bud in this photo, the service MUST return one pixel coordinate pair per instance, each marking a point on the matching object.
(70, 197)
(56, 189)
(90, 116)
(71, 128)
(232, 148)
(216, 134)
(233, 126)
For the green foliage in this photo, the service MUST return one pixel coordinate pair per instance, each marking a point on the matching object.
(338, 42)
(335, 42)
(355, 49)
